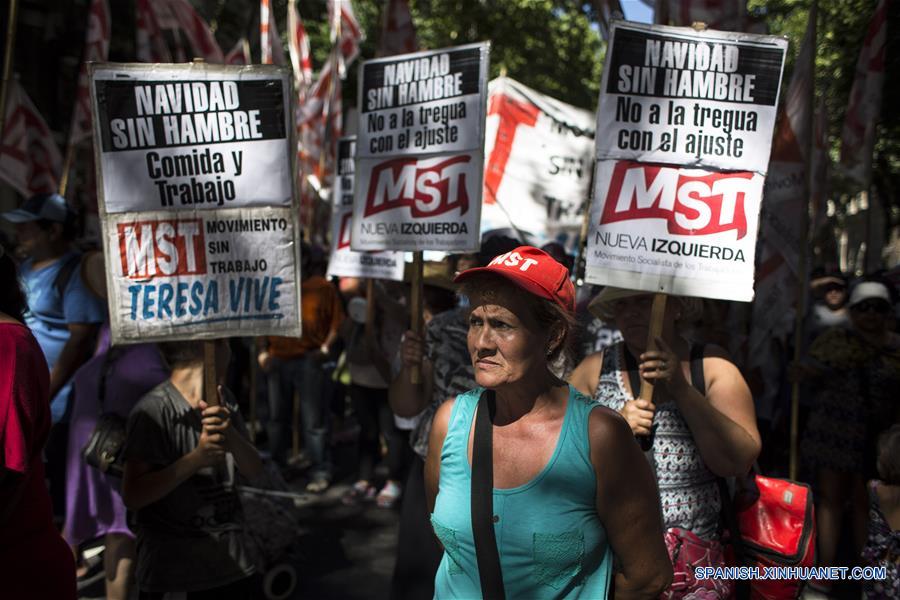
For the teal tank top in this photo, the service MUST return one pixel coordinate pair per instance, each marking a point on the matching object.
(551, 541)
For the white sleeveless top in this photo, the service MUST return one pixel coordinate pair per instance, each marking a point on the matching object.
(688, 490)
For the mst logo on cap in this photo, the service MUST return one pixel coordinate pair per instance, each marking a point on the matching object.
(533, 270)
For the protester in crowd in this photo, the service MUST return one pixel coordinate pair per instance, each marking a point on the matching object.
(882, 547)
(443, 359)
(829, 305)
(592, 334)
(34, 560)
(295, 365)
(857, 372)
(181, 455)
(571, 488)
(111, 382)
(62, 313)
(370, 374)
(695, 436)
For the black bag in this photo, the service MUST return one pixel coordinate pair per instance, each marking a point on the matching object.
(103, 450)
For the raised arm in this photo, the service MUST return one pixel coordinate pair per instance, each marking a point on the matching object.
(628, 507)
(406, 398)
(723, 422)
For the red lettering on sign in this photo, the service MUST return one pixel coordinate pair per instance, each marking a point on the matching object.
(690, 205)
(427, 191)
(162, 248)
(512, 114)
(343, 240)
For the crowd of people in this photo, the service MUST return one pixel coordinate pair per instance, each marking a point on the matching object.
(516, 375)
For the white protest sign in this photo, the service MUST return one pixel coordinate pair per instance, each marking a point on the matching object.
(192, 136)
(539, 159)
(420, 151)
(344, 262)
(684, 132)
(690, 232)
(704, 99)
(196, 203)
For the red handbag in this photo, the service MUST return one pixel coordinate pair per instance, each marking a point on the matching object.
(776, 521)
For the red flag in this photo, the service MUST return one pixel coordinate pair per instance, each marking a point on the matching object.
(858, 135)
(782, 220)
(272, 51)
(151, 44)
(96, 49)
(29, 158)
(239, 54)
(197, 32)
(298, 43)
(345, 32)
(398, 33)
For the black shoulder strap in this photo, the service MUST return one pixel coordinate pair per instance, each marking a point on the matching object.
(482, 501)
(109, 360)
(65, 273)
(698, 380)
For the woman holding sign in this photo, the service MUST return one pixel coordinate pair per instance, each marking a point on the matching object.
(700, 427)
(532, 487)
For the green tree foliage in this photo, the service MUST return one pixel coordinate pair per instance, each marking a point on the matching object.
(550, 45)
(842, 27)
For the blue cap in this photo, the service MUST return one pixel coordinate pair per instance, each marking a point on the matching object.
(51, 207)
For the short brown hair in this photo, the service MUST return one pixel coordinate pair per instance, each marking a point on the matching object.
(546, 313)
(180, 354)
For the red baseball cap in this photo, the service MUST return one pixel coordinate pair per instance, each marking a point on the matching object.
(533, 270)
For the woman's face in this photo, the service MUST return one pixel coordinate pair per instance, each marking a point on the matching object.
(633, 317)
(505, 343)
(870, 316)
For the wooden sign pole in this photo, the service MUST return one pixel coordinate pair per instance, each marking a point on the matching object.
(657, 313)
(210, 393)
(370, 306)
(415, 376)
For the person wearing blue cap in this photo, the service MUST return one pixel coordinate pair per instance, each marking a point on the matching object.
(63, 315)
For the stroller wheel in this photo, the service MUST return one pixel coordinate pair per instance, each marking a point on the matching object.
(280, 582)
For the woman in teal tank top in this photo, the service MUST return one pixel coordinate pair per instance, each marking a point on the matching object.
(571, 488)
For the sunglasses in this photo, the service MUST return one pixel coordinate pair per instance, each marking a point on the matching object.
(876, 306)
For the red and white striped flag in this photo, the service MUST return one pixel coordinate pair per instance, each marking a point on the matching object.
(239, 54)
(197, 32)
(271, 48)
(782, 219)
(150, 41)
(820, 165)
(345, 32)
(298, 44)
(29, 158)
(398, 33)
(96, 49)
(858, 135)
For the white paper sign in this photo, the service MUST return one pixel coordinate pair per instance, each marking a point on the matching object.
(344, 262)
(197, 209)
(189, 137)
(420, 151)
(201, 275)
(688, 232)
(700, 99)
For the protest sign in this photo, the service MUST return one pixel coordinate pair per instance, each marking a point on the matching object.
(192, 136)
(660, 228)
(704, 99)
(539, 154)
(196, 203)
(420, 151)
(344, 262)
(684, 132)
